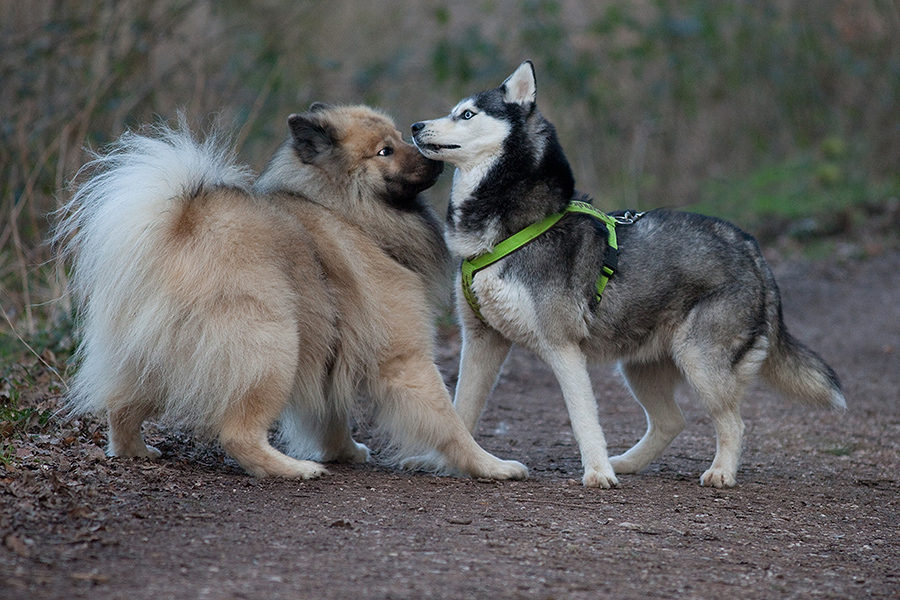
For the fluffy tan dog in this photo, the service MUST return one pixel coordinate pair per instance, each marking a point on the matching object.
(226, 305)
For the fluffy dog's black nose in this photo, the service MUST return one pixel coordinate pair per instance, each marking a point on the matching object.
(417, 127)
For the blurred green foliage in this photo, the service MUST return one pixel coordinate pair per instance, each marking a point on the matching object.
(787, 107)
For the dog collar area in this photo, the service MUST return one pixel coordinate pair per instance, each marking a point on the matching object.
(471, 266)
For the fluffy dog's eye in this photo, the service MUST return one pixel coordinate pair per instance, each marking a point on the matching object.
(467, 115)
(386, 151)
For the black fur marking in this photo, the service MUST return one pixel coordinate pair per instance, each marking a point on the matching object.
(435, 251)
(404, 197)
(437, 148)
(403, 191)
(522, 188)
(310, 138)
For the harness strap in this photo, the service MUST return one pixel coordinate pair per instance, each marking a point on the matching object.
(518, 240)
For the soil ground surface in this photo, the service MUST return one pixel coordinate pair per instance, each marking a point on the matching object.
(814, 515)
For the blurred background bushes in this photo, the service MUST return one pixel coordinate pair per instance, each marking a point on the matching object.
(758, 110)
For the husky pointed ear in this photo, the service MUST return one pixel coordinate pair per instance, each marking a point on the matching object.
(520, 87)
(311, 139)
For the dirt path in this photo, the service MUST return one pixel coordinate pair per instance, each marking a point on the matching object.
(815, 513)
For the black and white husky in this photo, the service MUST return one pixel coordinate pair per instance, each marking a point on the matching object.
(690, 298)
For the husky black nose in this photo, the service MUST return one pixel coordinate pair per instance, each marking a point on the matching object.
(417, 127)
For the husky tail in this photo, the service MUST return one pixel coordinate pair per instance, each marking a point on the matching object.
(116, 232)
(798, 372)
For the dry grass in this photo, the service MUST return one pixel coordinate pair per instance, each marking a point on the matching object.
(652, 98)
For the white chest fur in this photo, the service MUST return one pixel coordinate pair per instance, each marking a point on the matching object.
(465, 239)
(507, 304)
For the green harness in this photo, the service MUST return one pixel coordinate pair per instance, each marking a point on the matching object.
(518, 240)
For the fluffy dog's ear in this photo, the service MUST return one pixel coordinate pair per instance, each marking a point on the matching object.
(318, 106)
(520, 87)
(311, 139)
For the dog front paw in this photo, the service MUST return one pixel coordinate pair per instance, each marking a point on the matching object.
(598, 478)
(505, 469)
(719, 478)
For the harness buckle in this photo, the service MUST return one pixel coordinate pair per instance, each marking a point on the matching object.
(628, 217)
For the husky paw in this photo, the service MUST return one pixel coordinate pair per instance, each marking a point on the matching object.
(719, 478)
(600, 478)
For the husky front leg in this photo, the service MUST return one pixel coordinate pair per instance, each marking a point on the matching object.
(570, 367)
(483, 353)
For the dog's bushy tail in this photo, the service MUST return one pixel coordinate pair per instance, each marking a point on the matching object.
(113, 231)
(129, 187)
(798, 372)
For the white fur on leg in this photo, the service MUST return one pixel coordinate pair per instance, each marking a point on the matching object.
(488, 466)
(482, 357)
(432, 462)
(414, 407)
(570, 367)
(320, 433)
(125, 437)
(251, 449)
(137, 448)
(653, 386)
(729, 432)
(721, 387)
(354, 452)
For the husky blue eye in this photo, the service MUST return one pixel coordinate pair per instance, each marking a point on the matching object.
(386, 151)
(467, 115)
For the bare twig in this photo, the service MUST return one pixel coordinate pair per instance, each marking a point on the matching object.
(32, 350)
(257, 105)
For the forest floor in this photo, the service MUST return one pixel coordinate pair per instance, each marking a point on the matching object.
(815, 514)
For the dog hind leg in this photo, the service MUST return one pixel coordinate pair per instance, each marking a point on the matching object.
(570, 367)
(125, 420)
(245, 433)
(338, 444)
(721, 387)
(653, 386)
